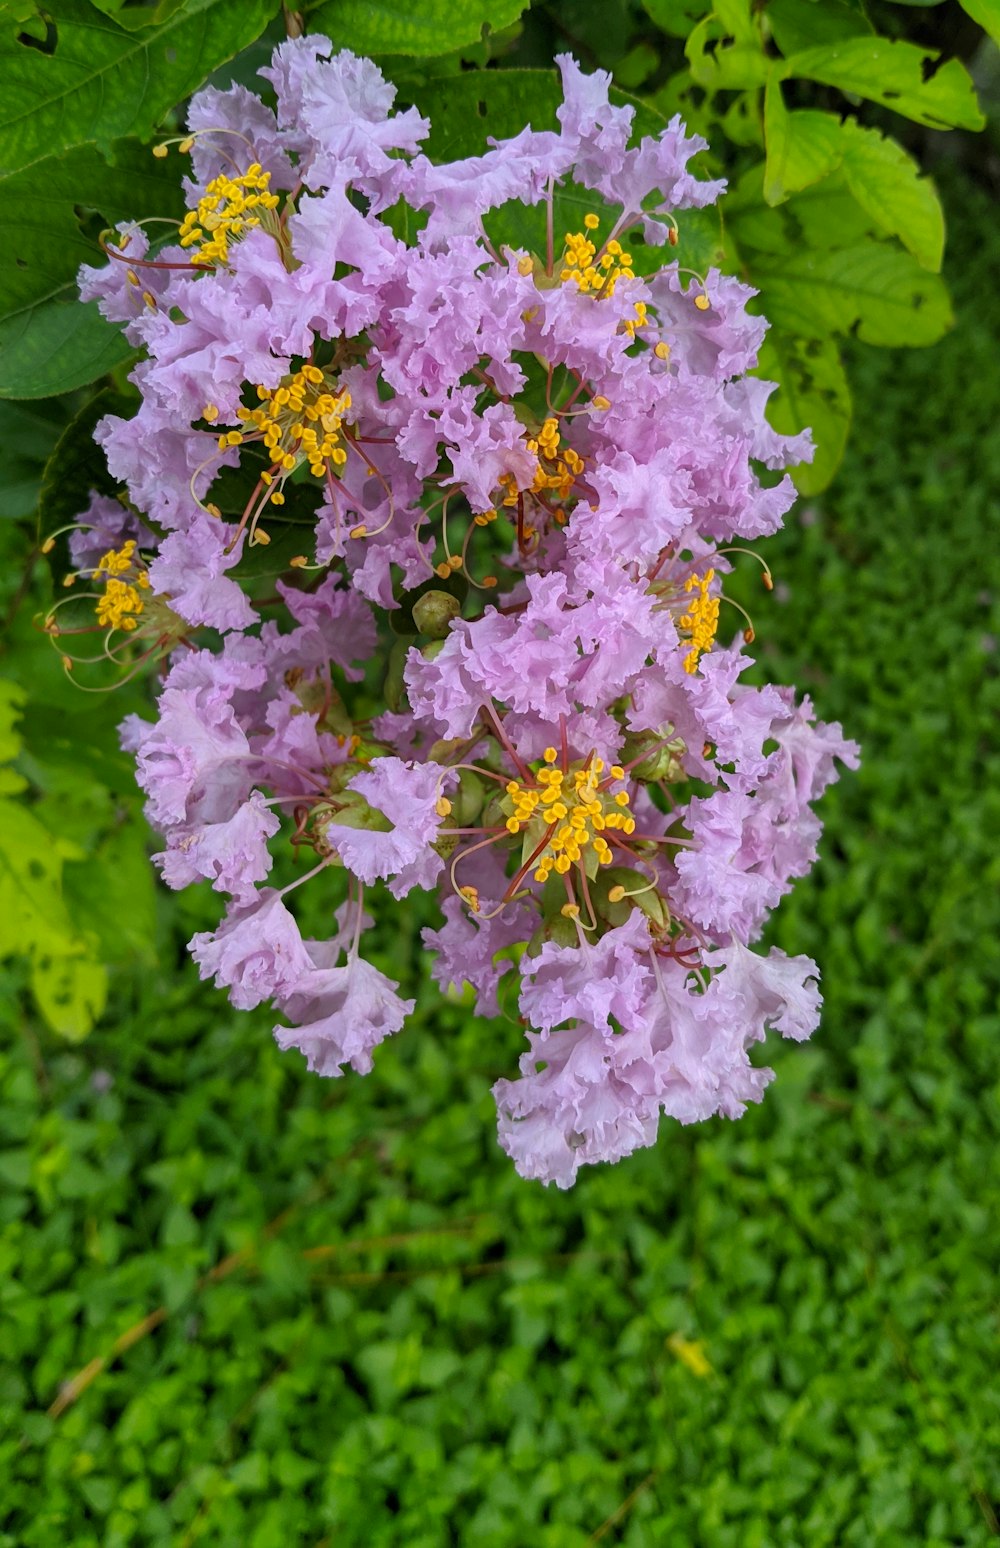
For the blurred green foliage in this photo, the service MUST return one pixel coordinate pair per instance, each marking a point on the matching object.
(314, 1312)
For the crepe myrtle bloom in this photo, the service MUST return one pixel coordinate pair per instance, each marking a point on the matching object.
(435, 534)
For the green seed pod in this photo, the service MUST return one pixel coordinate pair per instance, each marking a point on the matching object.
(659, 759)
(434, 612)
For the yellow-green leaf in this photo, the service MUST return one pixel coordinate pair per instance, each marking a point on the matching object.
(896, 73)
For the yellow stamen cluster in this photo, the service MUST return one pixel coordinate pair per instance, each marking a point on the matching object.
(598, 276)
(563, 465)
(229, 207)
(701, 620)
(576, 810)
(121, 601)
(300, 421)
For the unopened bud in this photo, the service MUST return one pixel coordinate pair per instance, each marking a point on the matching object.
(434, 612)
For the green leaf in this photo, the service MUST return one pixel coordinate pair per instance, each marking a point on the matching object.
(422, 27)
(12, 700)
(887, 183)
(813, 392)
(803, 146)
(801, 24)
(77, 464)
(872, 289)
(986, 13)
(897, 75)
(33, 916)
(45, 244)
(114, 890)
(676, 17)
(717, 65)
(57, 347)
(102, 81)
(71, 992)
(465, 110)
(29, 436)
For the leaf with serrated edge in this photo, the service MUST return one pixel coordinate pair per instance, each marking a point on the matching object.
(887, 183)
(872, 289)
(803, 146)
(892, 72)
(103, 81)
(44, 245)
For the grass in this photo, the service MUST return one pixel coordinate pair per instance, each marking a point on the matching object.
(302, 1313)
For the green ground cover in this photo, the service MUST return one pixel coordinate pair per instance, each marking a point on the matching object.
(348, 1323)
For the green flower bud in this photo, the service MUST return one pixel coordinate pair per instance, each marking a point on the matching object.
(659, 759)
(434, 612)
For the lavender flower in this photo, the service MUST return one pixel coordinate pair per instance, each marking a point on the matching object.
(499, 664)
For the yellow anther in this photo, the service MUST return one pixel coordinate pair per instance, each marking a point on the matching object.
(442, 806)
(260, 536)
(159, 151)
(616, 894)
(599, 401)
(359, 531)
(701, 621)
(702, 302)
(525, 265)
(550, 755)
(298, 562)
(471, 896)
(210, 412)
(591, 222)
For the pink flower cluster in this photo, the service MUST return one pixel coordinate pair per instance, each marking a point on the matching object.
(516, 477)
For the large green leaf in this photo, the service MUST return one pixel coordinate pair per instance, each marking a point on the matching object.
(57, 347)
(800, 24)
(77, 464)
(28, 434)
(887, 183)
(897, 74)
(102, 80)
(872, 289)
(419, 28)
(45, 244)
(812, 392)
(467, 109)
(803, 146)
